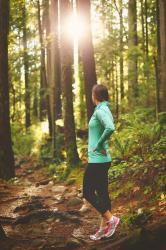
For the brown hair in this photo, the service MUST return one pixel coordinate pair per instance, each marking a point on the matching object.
(100, 92)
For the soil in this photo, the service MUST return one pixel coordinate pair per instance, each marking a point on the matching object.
(34, 191)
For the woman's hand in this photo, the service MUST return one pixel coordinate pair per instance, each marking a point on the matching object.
(103, 151)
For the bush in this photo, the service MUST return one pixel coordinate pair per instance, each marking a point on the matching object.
(140, 135)
(23, 140)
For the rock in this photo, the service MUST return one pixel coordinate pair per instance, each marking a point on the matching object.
(31, 205)
(73, 244)
(59, 189)
(70, 194)
(42, 182)
(75, 201)
(2, 233)
(80, 195)
(44, 214)
(84, 208)
(79, 233)
(37, 242)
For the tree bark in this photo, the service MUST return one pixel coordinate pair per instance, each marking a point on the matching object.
(157, 60)
(6, 152)
(55, 76)
(87, 54)
(162, 9)
(43, 99)
(44, 60)
(143, 26)
(26, 69)
(121, 50)
(67, 94)
(132, 61)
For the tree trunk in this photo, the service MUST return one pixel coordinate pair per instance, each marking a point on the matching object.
(157, 61)
(121, 51)
(46, 29)
(132, 61)
(146, 30)
(82, 105)
(55, 77)
(26, 69)
(35, 101)
(87, 54)
(43, 99)
(48, 68)
(67, 94)
(55, 52)
(117, 94)
(147, 54)
(6, 153)
(143, 26)
(162, 8)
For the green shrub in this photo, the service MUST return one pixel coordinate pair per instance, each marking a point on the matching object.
(139, 135)
(23, 140)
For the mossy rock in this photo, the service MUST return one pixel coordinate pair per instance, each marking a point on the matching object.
(74, 202)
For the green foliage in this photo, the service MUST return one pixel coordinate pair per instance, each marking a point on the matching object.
(23, 140)
(162, 118)
(117, 170)
(45, 150)
(122, 146)
(138, 218)
(139, 136)
(82, 145)
(161, 182)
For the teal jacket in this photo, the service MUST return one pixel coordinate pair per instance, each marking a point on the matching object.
(100, 127)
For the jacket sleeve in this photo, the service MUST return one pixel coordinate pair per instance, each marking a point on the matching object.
(107, 121)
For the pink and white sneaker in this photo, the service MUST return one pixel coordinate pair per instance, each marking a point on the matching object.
(112, 225)
(100, 233)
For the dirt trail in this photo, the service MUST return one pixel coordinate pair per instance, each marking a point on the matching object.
(34, 191)
(60, 227)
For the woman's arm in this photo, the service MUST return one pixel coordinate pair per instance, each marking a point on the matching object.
(106, 120)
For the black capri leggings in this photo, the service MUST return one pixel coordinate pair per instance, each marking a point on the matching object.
(95, 186)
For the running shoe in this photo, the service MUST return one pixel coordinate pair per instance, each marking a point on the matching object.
(112, 225)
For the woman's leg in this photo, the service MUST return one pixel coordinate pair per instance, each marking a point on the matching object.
(103, 193)
(95, 187)
(89, 185)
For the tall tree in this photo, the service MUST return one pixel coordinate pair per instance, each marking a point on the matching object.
(132, 58)
(121, 50)
(53, 68)
(67, 94)
(162, 9)
(87, 53)
(44, 96)
(143, 25)
(6, 153)
(157, 60)
(26, 68)
(43, 79)
(55, 58)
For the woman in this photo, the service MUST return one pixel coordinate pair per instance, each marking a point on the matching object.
(95, 181)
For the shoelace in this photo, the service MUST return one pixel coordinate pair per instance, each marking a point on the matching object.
(110, 225)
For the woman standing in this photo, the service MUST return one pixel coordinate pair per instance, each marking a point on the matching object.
(95, 181)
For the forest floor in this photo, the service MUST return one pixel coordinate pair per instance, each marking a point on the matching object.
(38, 213)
